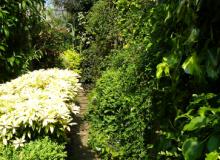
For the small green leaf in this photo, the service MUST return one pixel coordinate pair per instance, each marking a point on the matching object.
(6, 31)
(24, 4)
(2, 48)
(11, 60)
(162, 68)
(168, 16)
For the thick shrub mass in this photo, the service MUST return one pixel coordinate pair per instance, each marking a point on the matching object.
(38, 103)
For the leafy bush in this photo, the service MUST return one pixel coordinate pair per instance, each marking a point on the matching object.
(39, 149)
(71, 59)
(37, 104)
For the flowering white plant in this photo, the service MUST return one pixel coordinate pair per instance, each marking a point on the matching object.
(38, 103)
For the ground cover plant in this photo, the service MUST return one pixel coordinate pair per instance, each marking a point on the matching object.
(38, 149)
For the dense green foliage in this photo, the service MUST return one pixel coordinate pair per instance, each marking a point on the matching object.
(41, 149)
(32, 37)
(165, 67)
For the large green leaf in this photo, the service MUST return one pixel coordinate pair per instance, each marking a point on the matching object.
(196, 123)
(192, 149)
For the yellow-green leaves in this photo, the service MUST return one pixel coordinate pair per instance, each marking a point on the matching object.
(168, 63)
(212, 156)
(71, 60)
(196, 123)
(163, 68)
(191, 65)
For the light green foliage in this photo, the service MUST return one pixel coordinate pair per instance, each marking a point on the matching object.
(117, 111)
(41, 149)
(71, 59)
(213, 156)
(113, 106)
(36, 104)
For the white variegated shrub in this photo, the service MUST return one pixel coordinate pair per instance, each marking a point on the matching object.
(37, 104)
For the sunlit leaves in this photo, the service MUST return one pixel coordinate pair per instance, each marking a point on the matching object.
(163, 68)
(212, 156)
(191, 66)
(40, 102)
(196, 123)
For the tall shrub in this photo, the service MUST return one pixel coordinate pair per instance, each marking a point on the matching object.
(19, 21)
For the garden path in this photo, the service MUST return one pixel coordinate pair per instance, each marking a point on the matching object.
(79, 149)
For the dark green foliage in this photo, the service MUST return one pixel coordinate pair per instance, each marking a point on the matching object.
(74, 6)
(52, 41)
(40, 150)
(19, 25)
(103, 37)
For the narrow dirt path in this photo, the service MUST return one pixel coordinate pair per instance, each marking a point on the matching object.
(78, 149)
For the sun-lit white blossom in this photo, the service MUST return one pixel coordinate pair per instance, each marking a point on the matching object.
(40, 100)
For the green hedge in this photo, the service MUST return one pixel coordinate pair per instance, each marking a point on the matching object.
(168, 67)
